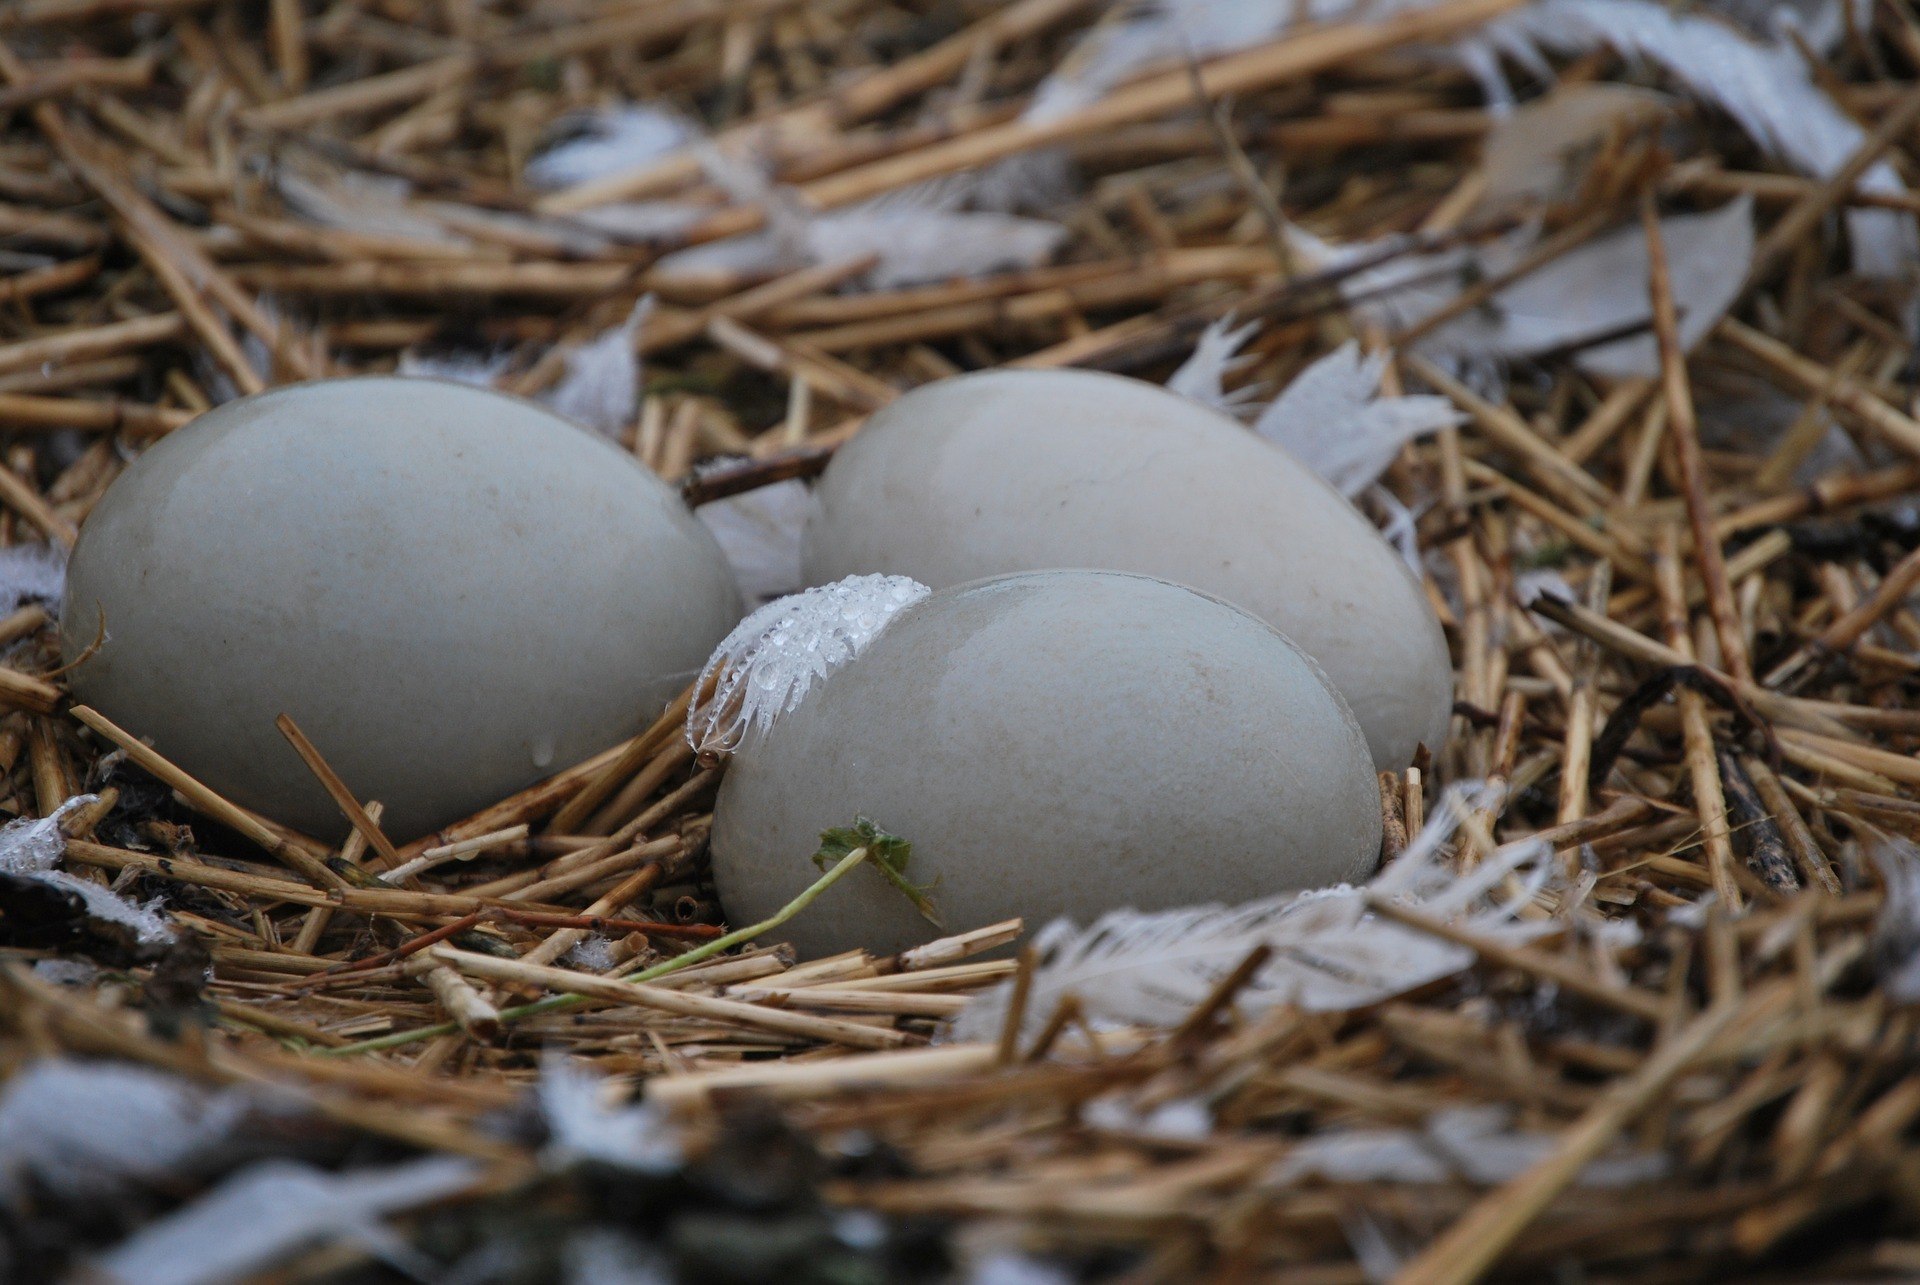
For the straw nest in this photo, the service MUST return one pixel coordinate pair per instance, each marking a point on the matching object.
(1700, 1068)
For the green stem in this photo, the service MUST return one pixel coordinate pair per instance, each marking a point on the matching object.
(556, 1003)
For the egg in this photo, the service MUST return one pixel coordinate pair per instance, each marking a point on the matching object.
(1052, 743)
(1024, 470)
(453, 592)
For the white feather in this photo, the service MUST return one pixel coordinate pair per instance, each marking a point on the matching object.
(67, 972)
(1767, 89)
(458, 368)
(1538, 152)
(1896, 934)
(1181, 1120)
(53, 1125)
(772, 659)
(1399, 286)
(362, 203)
(603, 1256)
(1475, 1143)
(592, 953)
(912, 247)
(1397, 527)
(1602, 287)
(1001, 1266)
(582, 1127)
(1330, 952)
(1333, 419)
(1152, 33)
(267, 1212)
(1598, 288)
(756, 254)
(610, 141)
(1032, 180)
(916, 234)
(1042, 179)
(922, 246)
(760, 532)
(1203, 375)
(643, 222)
(601, 388)
(31, 848)
(31, 573)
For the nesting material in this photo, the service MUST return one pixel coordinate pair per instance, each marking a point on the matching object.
(1669, 534)
(1054, 743)
(452, 592)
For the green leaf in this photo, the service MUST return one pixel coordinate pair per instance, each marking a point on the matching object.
(888, 854)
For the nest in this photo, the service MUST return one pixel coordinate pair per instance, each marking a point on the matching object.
(1677, 600)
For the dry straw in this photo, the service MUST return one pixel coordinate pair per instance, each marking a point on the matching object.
(1707, 718)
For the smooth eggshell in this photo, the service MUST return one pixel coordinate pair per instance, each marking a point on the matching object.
(1056, 743)
(1023, 470)
(453, 592)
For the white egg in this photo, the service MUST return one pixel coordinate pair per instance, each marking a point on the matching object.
(1023, 470)
(1054, 743)
(453, 592)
